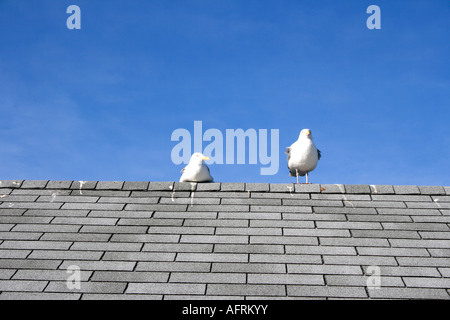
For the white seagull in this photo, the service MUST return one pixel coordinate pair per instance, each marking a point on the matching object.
(302, 155)
(196, 170)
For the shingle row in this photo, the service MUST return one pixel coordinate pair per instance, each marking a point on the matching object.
(226, 186)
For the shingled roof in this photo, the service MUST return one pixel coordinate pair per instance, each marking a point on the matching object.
(166, 240)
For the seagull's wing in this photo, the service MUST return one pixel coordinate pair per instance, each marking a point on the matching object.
(319, 154)
(288, 152)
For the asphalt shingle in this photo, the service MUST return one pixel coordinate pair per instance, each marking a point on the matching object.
(171, 240)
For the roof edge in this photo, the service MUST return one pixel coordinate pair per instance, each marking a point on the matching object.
(227, 187)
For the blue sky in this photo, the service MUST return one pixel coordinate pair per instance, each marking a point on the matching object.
(101, 103)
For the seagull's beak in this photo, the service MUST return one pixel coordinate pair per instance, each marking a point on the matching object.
(205, 158)
(308, 132)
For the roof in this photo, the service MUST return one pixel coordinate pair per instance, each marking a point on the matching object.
(166, 240)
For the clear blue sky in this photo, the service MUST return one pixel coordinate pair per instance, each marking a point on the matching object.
(101, 103)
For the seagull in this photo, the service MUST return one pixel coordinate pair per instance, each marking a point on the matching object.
(196, 170)
(302, 155)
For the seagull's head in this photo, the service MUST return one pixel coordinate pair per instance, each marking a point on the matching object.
(198, 158)
(305, 133)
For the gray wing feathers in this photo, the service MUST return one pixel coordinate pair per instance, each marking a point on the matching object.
(288, 151)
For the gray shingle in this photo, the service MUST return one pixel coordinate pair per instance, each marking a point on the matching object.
(299, 209)
(213, 239)
(246, 289)
(332, 188)
(249, 267)
(138, 256)
(361, 281)
(360, 260)
(14, 254)
(179, 247)
(173, 266)
(408, 293)
(102, 193)
(386, 234)
(279, 195)
(409, 189)
(434, 190)
(65, 255)
(109, 185)
(192, 201)
(180, 230)
(249, 231)
(409, 243)
(92, 206)
(322, 250)
(130, 276)
(427, 282)
(257, 187)
(212, 257)
(56, 245)
(283, 240)
(407, 271)
(39, 296)
(34, 184)
(348, 225)
(87, 287)
(58, 184)
(254, 201)
(49, 275)
(340, 196)
(121, 200)
(282, 187)
(203, 277)
(6, 274)
(108, 246)
(135, 185)
(185, 186)
(28, 228)
(22, 285)
(249, 215)
(161, 185)
(354, 242)
(152, 207)
(423, 261)
(390, 197)
(29, 264)
(285, 258)
(248, 248)
(230, 186)
(166, 288)
(276, 278)
(10, 183)
(99, 265)
(326, 291)
(83, 185)
(214, 186)
(357, 188)
(323, 269)
(308, 188)
(382, 189)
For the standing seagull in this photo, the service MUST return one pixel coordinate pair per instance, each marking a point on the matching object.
(302, 155)
(196, 170)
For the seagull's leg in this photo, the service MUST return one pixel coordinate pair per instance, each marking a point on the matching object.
(307, 177)
(297, 175)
